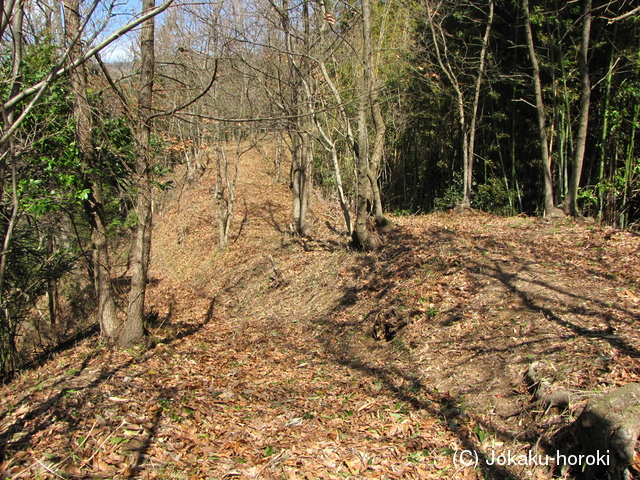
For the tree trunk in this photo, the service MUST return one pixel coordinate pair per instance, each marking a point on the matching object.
(605, 133)
(296, 180)
(132, 330)
(93, 206)
(303, 174)
(9, 213)
(225, 202)
(361, 235)
(304, 227)
(468, 183)
(331, 147)
(571, 202)
(611, 423)
(376, 155)
(628, 171)
(365, 169)
(221, 202)
(550, 209)
(277, 159)
(445, 65)
(297, 131)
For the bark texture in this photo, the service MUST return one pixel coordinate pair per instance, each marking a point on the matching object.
(610, 424)
(571, 202)
(368, 160)
(93, 205)
(132, 330)
(550, 209)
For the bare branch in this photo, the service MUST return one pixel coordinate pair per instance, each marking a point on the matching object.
(39, 88)
(624, 15)
(193, 100)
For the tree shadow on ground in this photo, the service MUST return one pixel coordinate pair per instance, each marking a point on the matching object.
(607, 334)
(73, 389)
(444, 407)
(52, 408)
(442, 253)
(141, 451)
(45, 356)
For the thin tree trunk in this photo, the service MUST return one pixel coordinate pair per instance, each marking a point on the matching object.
(571, 202)
(8, 150)
(350, 140)
(132, 330)
(296, 174)
(305, 177)
(221, 166)
(331, 146)
(277, 161)
(605, 133)
(550, 209)
(93, 206)
(376, 156)
(628, 170)
(468, 184)
(9, 213)
(7, 326)
(300, 126)
(226, 203)
(52, 286)
(304, 122)
(348, 132)
(445, 66)
(366, 178)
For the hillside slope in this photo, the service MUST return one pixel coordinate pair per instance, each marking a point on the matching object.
(267, 365)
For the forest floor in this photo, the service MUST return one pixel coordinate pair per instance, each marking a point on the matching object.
(265, 363)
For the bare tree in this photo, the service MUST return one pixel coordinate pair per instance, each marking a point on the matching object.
(12, 18)
(571, 201)
(21, 98)
(550, 209)
(467, 114)
(30, 95)
(132, 330)
(299, 101)
(93, 205)
(380, 128)
(225, 193)
(368, 160)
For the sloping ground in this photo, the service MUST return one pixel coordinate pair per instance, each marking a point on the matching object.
(266, 365)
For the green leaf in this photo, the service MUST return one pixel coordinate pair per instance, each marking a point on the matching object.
(83, 194)
(480, 433)
(117, 440)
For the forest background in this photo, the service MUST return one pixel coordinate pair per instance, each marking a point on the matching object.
(506, 107)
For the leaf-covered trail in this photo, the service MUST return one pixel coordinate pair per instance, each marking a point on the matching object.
(291, 392)
(256, 403)
(249, 383)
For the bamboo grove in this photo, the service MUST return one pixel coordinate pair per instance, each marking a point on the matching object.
(587, 80)
(510, 107)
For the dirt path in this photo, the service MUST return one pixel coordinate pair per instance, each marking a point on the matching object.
(264, 372)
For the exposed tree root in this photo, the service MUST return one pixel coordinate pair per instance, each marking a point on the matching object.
(609, 427)
(547, 394)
